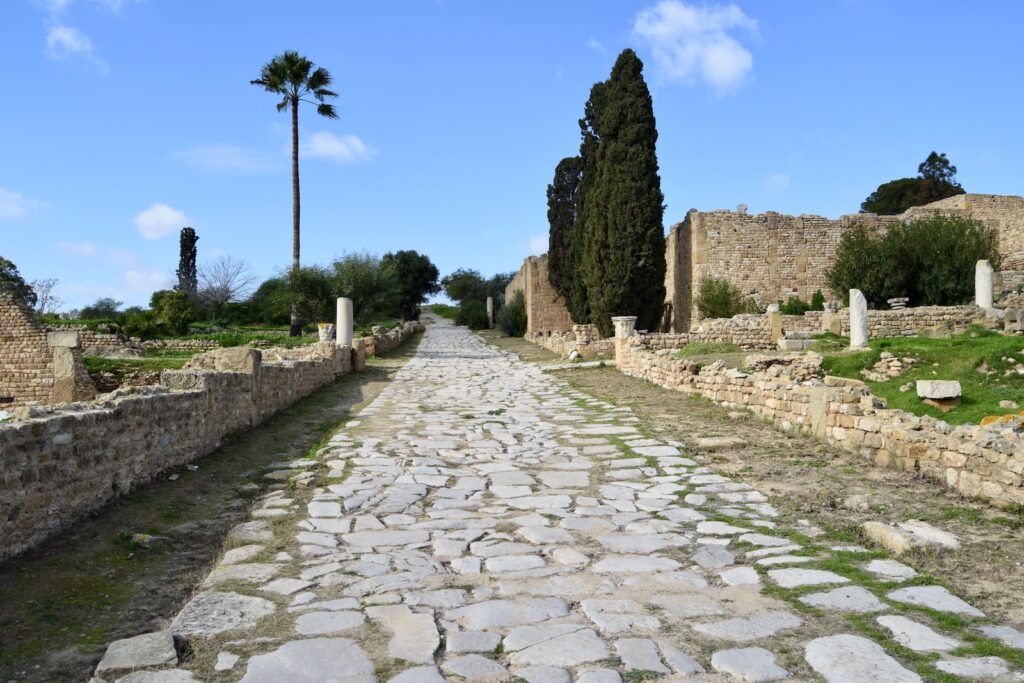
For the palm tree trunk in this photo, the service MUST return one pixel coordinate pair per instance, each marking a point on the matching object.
(296, 326)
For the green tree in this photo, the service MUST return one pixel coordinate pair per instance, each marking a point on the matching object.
(931, 260)
(104, 307)
(564, 242)
(12, 284)
(188, 279)
(268, 304)
(415, 279)
(624, 257)
(310, 294)
(465, 285)
(936, 180)
(293, 77)
(175, 309)
(361, 277)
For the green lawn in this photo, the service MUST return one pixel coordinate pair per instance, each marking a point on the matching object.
(706, 349)
(958, 358)
(444, 310)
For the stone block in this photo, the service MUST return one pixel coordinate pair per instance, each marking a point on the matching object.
(62, 339)
(938, 389)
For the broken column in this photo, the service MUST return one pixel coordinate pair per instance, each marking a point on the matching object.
(490, 312)
(625, 327)
(983, 284)
(344, 330)
(858, 320)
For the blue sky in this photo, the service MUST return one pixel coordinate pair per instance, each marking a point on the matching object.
(125, 119)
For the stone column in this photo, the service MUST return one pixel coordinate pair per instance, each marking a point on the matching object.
(983, 284)
(63, 345)
(775, 322)
(490, 312)
(625, 327)
(858, 320)
(344, 330)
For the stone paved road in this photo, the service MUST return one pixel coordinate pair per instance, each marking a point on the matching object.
(481, 521)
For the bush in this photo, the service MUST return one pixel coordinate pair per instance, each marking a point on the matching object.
(144, 325)
(930, 260)
(174, 309)
(445, 311)
(512, 316)
(719, 298)
(817, 301)
(472, 314)
(794, 306)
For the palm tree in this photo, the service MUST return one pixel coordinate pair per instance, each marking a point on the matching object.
(293, 77)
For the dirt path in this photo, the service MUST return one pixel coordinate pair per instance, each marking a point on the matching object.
(64, 602)
(808, 479)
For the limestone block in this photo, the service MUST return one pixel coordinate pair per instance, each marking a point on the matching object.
(938, 389)
(63, 339)
(237, 359)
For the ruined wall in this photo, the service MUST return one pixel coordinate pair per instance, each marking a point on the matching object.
(1003, 212)
(916, 321)
(61, 463)
(771, 256)
(36, 365)
(545, 310)
(977, 461)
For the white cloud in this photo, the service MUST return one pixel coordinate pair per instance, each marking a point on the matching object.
(146, 281)
(776, 182)
(15, 205)
(65, 42)
(595, 44)
(85, 249)
(159, 221)
(538, 245)
(226, 159)
(346, 149)
(692, 41)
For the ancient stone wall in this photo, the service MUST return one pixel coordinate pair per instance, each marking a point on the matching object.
(545, 310)
(36, 365)
(916, 321)
(1003, 212)
(987, 462)
(61, 463)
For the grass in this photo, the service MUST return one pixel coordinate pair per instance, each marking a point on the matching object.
(444, 310)
(957, 358)
(707, 349)
(119, 366)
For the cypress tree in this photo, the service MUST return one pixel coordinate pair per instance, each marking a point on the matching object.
(188, 281)
(623, 261)
(564, 249)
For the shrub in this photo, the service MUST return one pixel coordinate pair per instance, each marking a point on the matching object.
(817, 301)
(719, 298)
(144, 325)
(794, 306)
(930, 260)
(512, 316)
(472, 314)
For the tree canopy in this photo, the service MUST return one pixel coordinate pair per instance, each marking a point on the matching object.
(12, 284)
(936, 180)
(416, 279)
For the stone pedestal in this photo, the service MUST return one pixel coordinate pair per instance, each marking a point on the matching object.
(490, 312)
(858, 320)
(344, 327)
(359, 355)
(625, 328)
(983, 276)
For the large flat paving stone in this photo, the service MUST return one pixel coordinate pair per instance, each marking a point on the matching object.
(752, 664)
(149, 650)
(312, 661)
(754, 627)
(936, 598)
(504, 613)
(554, 645)
(847, 658)
(214, 612)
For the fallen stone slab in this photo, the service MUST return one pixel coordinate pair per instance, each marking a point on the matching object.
(213, 612)
(938, 389)
(910, 534)
(149, 650)
(846, 658)
(312, 661)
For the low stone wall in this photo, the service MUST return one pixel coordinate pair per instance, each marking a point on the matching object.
(792, 392)
(748, 331)
(584, 340)
(180, 344)
(913, 321)
(61, 463)
(382, 341)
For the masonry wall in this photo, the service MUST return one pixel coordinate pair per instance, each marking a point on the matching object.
(545, 310)
(977, 461)
(1004, 212)
(37, 366)
(920, 320)
(61, 463)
